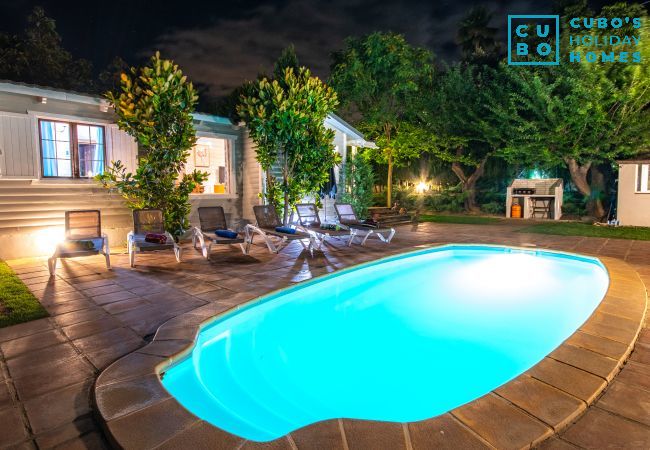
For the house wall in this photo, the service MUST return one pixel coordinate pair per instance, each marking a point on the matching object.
(633, 207)
(32, 208)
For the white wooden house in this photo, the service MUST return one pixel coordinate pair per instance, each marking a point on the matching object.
(634, 191)
(52, 143)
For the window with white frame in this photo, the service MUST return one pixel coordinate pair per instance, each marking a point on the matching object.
(643, 177)
(213, 156)
(71, 150)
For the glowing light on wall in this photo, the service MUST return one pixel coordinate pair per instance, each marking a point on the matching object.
(47, 239)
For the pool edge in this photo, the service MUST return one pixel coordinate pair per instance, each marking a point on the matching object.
(137, 412)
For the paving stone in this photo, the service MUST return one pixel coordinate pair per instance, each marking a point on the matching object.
(89, 441)
(613, 349)
(635, 374)
(74, 317)
(364, 434)
(24, 329)
(6, 398)
(586, 360)
(152, 426)
(80, 330)
(124, 397)
(21, 365)
(103, 358)
(282, 443)
(66, 432)
(641, 353)
(104, 340)
(131, 366)
(51, 377)
(569, 379)
(59, 407)
(12, 427)
(19, 346)
(444, 432)
(202, 435)
(550, 405)
(598, 429)
(113, 297)
(627, 401)
(555, 443)
(500, 423)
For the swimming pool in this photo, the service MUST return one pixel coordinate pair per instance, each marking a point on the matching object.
(401, 339)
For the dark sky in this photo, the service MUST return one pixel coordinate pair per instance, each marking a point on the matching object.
(222, 43)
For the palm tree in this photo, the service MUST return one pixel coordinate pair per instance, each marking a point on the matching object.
(477, 39)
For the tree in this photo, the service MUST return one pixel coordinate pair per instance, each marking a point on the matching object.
(470, 113)
(584, 115)
(285, 118)
(477, 39)
(155, 105)
(379, 78)
(358, 181)
(38, 57)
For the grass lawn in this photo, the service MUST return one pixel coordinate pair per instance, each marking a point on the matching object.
(469, 220)
(17, 304)
(584, 229)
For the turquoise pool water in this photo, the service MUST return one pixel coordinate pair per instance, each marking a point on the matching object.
(401, 339)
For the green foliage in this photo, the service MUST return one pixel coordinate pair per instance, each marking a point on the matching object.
(450, 199)
(359, 181)
(285, 118)
(589, 230)
(17, 303)
(381, 78)
(155, 105)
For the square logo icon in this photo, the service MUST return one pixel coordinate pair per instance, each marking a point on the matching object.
(533, 40)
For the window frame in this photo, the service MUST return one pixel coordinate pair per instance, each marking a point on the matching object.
(74, 148)
(229, 147)
(638, 181)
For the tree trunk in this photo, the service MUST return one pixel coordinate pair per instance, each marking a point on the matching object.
(469, 183)
(579, 177)
(389, 187)
(597, 191)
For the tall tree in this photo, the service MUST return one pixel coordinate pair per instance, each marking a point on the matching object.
(477, 39)
(285, 118)
(38, 57)
(470, 113)
(584, 115)
(154, 105)
(379, 78)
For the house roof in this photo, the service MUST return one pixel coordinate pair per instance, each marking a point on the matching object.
(640, 158)
(356, 137)
(15, 87)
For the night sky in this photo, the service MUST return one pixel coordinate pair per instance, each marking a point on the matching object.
(220, 44)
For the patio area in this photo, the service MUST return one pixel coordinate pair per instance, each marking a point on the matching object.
(48, 367)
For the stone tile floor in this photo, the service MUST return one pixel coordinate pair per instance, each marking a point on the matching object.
(48, 366)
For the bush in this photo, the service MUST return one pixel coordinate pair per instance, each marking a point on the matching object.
(359, 180)
(574, 204)
(495, 208)
(451, 199)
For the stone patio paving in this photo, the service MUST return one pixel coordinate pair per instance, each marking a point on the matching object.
(48, 367)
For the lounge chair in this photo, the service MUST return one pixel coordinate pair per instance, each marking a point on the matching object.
(211, 219)
(348, 217)
(310, 222)
(267, 221)
(83, 237)
(149, 221)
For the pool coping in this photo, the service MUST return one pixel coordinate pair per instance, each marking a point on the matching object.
(136, 411)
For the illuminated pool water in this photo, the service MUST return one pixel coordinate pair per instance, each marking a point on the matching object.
(401, 339)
